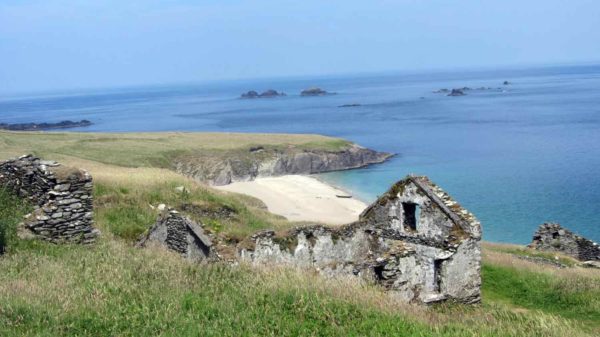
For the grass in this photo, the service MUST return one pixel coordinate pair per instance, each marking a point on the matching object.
(113, 289)
(158, 149)
(124, 200)
(528, 252)
(12, 210)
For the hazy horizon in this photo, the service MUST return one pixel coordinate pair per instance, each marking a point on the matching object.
(58, 45)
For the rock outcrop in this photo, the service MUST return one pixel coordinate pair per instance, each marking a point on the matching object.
(266, 94)
(181, 235)
(263, 162)
(44, 126)
(62, 197)
(314, 91)
(456, 92)
(553, 237)
(414, 241)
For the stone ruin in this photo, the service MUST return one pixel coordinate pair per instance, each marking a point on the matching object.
(415, 241)
(61, 196)
(182, 235)
(553, 237)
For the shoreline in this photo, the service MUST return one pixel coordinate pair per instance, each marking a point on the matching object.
(355, 196)
(301, 198)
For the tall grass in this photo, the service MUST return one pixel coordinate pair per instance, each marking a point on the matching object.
(112, 289)
(12, 210)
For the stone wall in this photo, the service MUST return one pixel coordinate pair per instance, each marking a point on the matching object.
(554, 238)
(62, 197)
(181, 235)
(423, 256)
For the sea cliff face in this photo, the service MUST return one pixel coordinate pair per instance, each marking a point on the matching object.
(265, 163)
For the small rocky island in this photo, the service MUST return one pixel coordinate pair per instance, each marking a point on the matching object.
(44, 126)
(463, 89)
(265, 94)
(314, 91)
(456, 92)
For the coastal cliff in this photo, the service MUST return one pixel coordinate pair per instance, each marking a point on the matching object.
(212, 158)
(266, 162)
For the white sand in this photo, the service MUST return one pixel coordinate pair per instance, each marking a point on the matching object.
(301, 198)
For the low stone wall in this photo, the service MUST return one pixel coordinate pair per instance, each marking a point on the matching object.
(553, 237)
(62, 197)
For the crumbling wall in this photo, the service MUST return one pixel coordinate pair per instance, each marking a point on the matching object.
(423, 256)
(554, 238)
(62, 197)
(181, 235)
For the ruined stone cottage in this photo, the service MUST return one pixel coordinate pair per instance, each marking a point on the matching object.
(181, 235)
(415, 241)
(61, 196)
(553, 237)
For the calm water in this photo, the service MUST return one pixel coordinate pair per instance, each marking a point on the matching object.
(515, 156)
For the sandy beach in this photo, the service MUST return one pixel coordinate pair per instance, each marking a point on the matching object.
(301, 198)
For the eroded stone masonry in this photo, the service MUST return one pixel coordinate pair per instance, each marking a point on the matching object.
(182, 235)
(62, 197)
(415, 241)
(553, 237)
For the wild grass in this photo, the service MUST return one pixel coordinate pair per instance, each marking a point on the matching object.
(113, 289)
(152, 149)
(529, 252)
(12, 210)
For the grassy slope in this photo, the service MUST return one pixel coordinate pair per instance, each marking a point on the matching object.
(114, 289)
(152, 149)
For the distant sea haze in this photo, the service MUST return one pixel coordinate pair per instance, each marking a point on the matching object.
(515, 155)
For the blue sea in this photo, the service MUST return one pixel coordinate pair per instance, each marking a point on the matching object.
(515, 155)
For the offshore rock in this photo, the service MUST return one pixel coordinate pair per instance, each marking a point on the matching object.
(266, 94)
(314, 91)
(44, 126)
(456, 92)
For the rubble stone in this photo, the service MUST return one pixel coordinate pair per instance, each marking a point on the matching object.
(552, 237)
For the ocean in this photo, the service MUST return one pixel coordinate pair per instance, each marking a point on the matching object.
(515, 155)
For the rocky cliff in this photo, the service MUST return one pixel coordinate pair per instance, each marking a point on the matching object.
(263, 162)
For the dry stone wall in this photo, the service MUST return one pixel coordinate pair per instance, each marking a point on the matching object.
(62, 197)
(554, 238)
(181, 235)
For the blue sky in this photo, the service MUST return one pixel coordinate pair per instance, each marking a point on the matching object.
(60, 44)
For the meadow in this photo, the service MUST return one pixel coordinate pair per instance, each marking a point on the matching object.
(112, 288)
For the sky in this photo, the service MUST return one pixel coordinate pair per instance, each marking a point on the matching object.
(50, 45)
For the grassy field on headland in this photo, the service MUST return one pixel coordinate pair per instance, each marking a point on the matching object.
(114, 289)
(153, 149)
